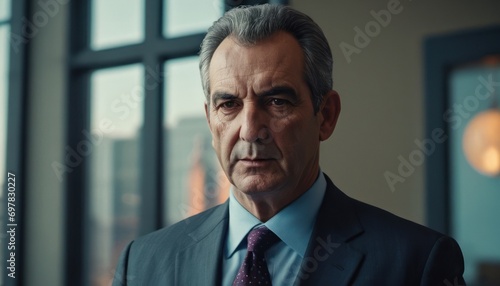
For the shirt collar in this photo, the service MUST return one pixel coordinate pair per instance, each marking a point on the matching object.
(300, 216)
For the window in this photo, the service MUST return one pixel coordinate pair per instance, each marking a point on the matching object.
(113, 193)
(137, 121)
(192, 169)
(184, 17)
(458, 198)
(473, 195)
(112, 27)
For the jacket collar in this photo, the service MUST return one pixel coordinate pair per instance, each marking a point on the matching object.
(330, 260)
(194, 264)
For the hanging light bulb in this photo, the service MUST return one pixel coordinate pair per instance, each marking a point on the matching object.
(481, 142)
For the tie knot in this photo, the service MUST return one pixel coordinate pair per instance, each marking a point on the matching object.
(261, 239)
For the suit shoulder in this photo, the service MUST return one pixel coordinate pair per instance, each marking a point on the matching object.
(152, 257)
(394, 250)
(178, 234)
(377, 220)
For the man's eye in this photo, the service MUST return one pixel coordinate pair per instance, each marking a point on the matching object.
(278, 101)
(228, 104)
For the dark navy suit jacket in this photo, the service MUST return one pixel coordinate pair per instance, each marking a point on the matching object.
(352, 244)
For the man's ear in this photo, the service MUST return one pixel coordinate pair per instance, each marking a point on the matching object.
(329, 113)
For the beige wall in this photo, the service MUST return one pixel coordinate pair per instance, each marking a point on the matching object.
(382, 95)
(382, 92)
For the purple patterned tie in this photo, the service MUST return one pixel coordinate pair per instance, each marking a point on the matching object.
(254, 271)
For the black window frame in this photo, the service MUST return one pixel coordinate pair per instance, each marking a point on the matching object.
(16, 135)
(82, 61)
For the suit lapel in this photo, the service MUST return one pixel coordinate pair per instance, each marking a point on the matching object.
(201, 262)
(329, 259)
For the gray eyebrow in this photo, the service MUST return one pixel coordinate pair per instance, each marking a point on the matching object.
(280, 90)
(222, 95)
(290, 92)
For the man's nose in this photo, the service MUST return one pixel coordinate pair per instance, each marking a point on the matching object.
(254, 125)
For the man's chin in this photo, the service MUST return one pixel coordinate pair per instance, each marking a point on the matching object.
(257, 185)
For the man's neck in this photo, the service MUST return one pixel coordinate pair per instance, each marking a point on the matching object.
(267, 204)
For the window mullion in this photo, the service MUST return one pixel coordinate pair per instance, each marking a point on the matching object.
(153, 19)
(78, 119)
(151, 147)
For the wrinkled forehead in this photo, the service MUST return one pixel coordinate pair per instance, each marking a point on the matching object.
(278, 53)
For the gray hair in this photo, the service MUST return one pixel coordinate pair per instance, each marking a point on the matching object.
(249, 24)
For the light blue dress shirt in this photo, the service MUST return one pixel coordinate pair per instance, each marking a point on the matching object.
(293, 225)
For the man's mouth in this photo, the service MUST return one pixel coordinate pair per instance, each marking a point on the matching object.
(255, 162)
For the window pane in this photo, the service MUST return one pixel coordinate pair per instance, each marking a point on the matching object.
(182, 17)
(4, 10)
(116, 23)
(4, 80)
(113, 213)
(474, 196)
(194, 180)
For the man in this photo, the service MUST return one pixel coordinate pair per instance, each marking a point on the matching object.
(267, 76)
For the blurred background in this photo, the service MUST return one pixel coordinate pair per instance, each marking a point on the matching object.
(102, 124)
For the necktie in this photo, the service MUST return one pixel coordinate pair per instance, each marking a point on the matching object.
(254, 271)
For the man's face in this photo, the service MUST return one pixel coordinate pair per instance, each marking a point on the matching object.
(260, 113)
